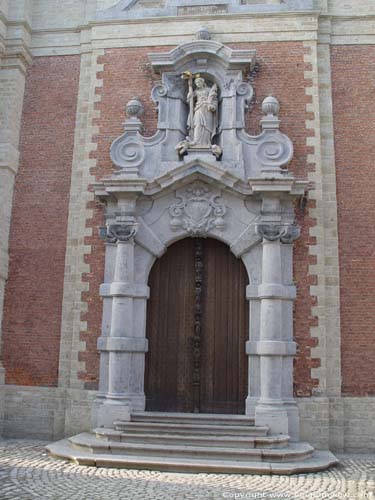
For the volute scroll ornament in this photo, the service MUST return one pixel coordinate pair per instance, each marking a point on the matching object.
(274, 149)
(159, 91)
(129, 154)
(273, 152)
(246, 92)
(127, 151)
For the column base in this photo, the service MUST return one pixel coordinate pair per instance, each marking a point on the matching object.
(2, 398)
(138, 402)
(105, 413)
(293, 420)
(2, 374)
(250, 405)
(275, 417)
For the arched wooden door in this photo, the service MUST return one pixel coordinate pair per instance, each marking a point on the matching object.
(197, 326)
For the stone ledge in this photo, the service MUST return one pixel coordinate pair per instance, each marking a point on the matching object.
(125, 344)
(271, 291)
(271, 348)
(125, 290)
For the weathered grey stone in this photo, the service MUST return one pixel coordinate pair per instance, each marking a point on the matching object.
(131, 8)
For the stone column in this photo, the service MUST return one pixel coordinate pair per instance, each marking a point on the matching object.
(123, 343)
(270, 408)
(275, 348)
(110, 260)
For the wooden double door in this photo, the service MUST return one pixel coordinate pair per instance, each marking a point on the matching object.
(197, 326)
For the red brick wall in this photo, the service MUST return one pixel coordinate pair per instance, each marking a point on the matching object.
(353, 76)
(32, 310)
(280, 72)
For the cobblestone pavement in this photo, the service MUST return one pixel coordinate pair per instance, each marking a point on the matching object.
(27, 472)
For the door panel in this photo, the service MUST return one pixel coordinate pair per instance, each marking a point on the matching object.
(225, 331)
(223, 319)
(170, 323)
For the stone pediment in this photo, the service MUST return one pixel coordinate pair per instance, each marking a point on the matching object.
(133, 9)
(193, 171)
(199, 52)
(199, 170)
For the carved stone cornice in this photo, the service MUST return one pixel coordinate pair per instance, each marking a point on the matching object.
(286, 233)
(272, 185)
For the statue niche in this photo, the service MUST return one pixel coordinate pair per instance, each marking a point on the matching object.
(202, 122)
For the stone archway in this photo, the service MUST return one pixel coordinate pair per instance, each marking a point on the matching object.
(173, 213)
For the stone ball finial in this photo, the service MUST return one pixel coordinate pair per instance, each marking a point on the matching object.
(203, 34)
(270, 106)
(134, 108)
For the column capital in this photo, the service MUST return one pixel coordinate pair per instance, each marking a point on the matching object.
(114, 233)
(286, 233)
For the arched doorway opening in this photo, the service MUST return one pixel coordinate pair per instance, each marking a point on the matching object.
(197, 327)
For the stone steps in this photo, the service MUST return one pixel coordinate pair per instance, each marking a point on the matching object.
(191, 443)
(89, 442)
(188, 429)
(193, 418)
(63, 450)
(228, 441)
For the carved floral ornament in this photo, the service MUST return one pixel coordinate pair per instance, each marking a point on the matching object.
(197, 210)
